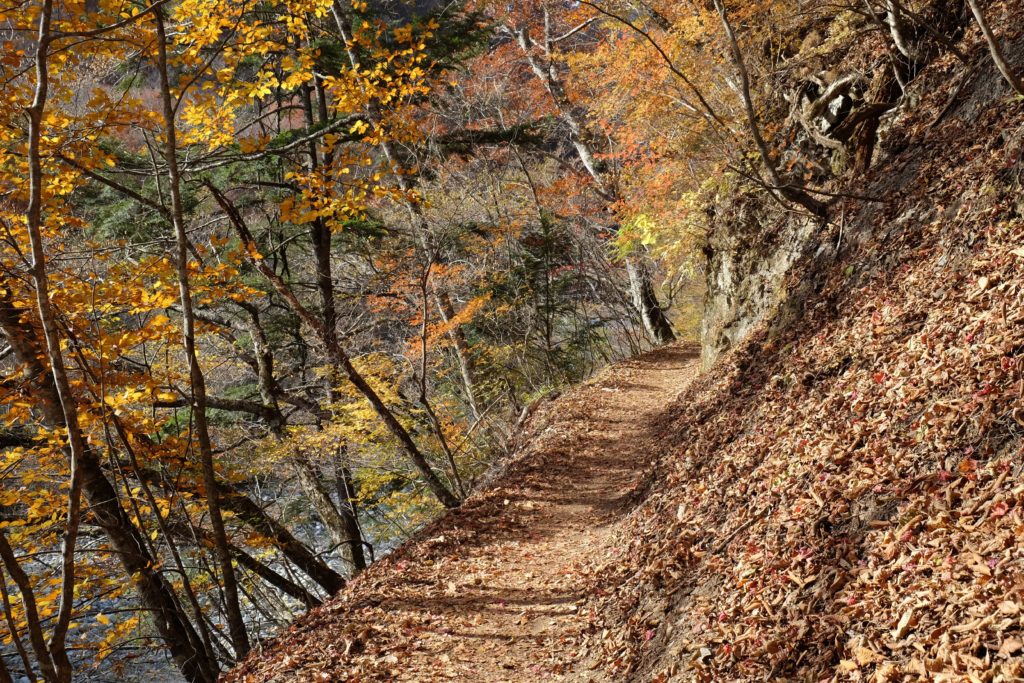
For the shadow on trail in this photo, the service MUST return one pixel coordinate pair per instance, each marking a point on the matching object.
(550, 513)
(490, 592)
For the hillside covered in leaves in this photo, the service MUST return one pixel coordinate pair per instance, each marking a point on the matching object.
(840, 497)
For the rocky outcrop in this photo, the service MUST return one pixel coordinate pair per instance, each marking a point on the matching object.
(754, 246)
(750, 250)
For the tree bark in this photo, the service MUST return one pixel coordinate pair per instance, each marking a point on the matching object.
(345, 521)
(883, 91)
(995, 50)
(310, 484)
(642, 291)
(265, 363)
(790, 192)
(186, 532)
(44, 656)
(898, 31)
(424, 400)
(462, 351)
(263, 356)
(253, 516)
(646, 302)
(61, 411)
(26, 661)
(155, 594)
(5, 673)
(346, 539)
(76, 446)
(232, 606)
(348, 491)
(458, 338)
(256, 518)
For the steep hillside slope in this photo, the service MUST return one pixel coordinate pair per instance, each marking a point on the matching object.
(840, 497)
(491, 592)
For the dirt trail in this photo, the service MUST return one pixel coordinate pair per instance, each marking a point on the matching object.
(492, 592)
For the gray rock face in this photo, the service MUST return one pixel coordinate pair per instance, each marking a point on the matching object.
(753, 245)
(750, 251)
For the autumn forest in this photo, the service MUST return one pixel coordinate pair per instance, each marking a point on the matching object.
(283, 282)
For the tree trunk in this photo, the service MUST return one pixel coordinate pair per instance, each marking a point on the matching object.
(345, 535)
(898, 31)
(645, 300)
(995, 50)
(253, 516)
(188, 533)
(642, 292)
(860, 130)
(5, 599)
(338, 357)
(791, 192)
(462, 351)
(76, 446)
(53, 392)
(232, 606)
(347, 489)
(155, 594)
(343, 523)
(44, 657)
(5, 673)
(263, 356)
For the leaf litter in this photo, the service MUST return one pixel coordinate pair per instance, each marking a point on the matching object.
(493, 591)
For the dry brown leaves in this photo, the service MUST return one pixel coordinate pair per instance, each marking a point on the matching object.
(492, 592)
(845, 500)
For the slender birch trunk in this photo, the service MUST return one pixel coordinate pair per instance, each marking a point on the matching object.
(232, 606)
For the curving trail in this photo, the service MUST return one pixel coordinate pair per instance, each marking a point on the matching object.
(492, 592)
